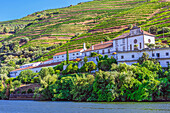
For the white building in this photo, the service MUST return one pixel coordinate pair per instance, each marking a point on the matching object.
(131, 57)
(57, 59)
(73, 54)
(128, 48)
(135, 40)
(35, 69)
(31, 64)
(104, 48)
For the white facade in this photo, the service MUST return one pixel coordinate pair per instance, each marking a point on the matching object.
(72, 56)
(130, 57)
(34, 69)
(106, 51)
(48, 61)
(130, 42)
(105, 48)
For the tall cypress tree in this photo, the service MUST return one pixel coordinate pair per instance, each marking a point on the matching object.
(67, 57)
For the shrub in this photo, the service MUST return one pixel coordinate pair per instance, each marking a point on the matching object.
(105, 65)
(29, 91)
(88, 67)
(153, 29)
(23, 92)
(18, 92)
(35, 80)
(106, 38)
(130, 26)
(93, 54)
(57, 71)
(44, 72)
(164, 30)
(85, 59)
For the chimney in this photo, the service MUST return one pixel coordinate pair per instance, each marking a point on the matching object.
(84, 46)
(101, 42)
(92, 47)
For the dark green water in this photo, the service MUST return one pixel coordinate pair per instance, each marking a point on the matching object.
(7, 106)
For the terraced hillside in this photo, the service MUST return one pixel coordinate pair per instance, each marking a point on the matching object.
(90, 22)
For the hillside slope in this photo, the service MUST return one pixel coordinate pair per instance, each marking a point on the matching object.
(89, 22)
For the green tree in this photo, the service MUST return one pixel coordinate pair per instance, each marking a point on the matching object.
(106, 38)
(44, 72)
(85, 59)
(51, 70)
(67, 57)
(130, 26)
(16, 84)
(5, 30)
(1, 44)
(26, 76)
(91, 66)
(153, 29)
(82, 87)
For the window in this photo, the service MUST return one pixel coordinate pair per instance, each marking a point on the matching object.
(123, 48)
(153, 54)
(108, 50)
(116, 49)
(36, 71)
(132, 32)
(158, 54)
(167, 54)
(116, 42)
(57, 57)
(130, 46)
(85, 54)
(97, 52)
(77, 53)
(62, 56)
(140, 45)
(135, 41)
(122, 57)
(167, 62)
(149, 40)
(123, 40)
(133, 56)
(73, 54)
(102, 51)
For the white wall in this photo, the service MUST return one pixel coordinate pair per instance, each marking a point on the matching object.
(164, 56)
(146, 40)
(139, 40)
(36, 70)
(120, 44)
(100, 51)
(72, 56)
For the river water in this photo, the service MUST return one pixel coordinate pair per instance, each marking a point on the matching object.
(12, 106)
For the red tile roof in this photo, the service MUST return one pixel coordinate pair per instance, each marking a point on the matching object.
(71, 51)
(23, 68)
(103, 45)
